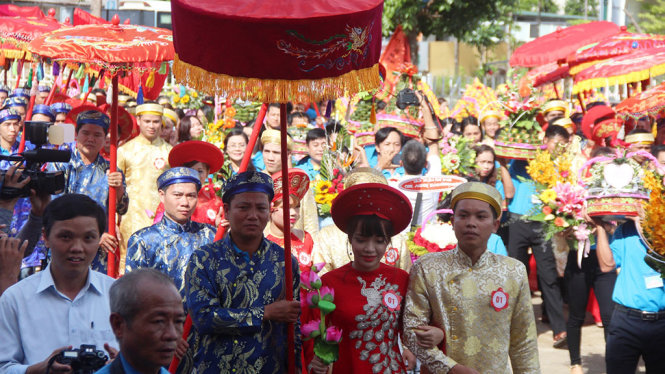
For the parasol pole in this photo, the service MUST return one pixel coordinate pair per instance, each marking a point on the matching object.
(51, 93)
(579, 99)
(288, 275)
(69, 78)
(112, 266)
(221, 230)
(28, 112)
(556, 90)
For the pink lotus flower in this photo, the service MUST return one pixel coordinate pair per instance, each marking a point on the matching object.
(333, 334)
(327, 293)
(310, 280)
(318, 267)
(312, 299)
(311, 329)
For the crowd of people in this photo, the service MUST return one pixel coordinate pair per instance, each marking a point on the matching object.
(464, 310)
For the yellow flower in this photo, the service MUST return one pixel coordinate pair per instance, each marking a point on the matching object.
(330, 197)
(322, 187)
(548, 196)
(195, 94)
(320, 198)
(185, 99)
(176, 99)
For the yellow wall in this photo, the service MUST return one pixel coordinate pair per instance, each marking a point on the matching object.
(442, 57)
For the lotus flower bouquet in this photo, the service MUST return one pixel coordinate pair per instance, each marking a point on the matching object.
(317, 296)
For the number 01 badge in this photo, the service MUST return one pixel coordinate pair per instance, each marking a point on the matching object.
(499, 299)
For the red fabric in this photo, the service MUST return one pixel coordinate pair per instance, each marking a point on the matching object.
(593, 308)
(547, 73)
(81, 17)
(395, 56)
(197, 150)
(20, 31)
(616, 45)
(131, 82)
(310, 39)
(533, 276)
(350, 298)
(302, 249)
(21, 11)
(558, 45)
(644, 102)
(106, 45)
(623, 65)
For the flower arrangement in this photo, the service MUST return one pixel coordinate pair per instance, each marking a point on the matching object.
(457, 156)
(547, 171)
(325, 191)
(317, 296)
(653, 223)
(184, 97)
(434, 237)
(215, 132)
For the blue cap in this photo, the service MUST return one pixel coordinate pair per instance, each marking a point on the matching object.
(44, 88)
(21, 92)
(93, 117)
(45, 110)
(178, 174)
(4, 88)
(13, 101)
(8, 114)
(249, 181)
(61, 108)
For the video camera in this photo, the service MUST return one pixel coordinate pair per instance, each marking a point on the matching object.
(39, 134)
(85, 360)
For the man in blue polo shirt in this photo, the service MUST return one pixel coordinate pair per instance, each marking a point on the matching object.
(637, 327)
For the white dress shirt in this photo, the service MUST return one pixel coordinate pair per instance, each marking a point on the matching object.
(36, 319)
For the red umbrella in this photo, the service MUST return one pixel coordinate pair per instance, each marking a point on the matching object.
(634, 67)
(558, 45)
(278, 51)
(619, 44)
(547, 73)
(17, 32)
(117, 49)
(21, 11)
(650, 101)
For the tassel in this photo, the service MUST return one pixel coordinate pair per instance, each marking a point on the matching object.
(28, 83)
(139, 96)
(56, 69)
(40, 71)
(372, 113)
(86, 84)
(329, 107)
(2, 58)
(150, 81)
(80, 73)
(162, 68)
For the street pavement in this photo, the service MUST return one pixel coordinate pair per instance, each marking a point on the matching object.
(557, 361)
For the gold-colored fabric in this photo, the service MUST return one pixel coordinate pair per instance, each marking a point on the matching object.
(489, 114)
(364, 175)
(170, 114)
(142, 162)
(477, 191)
(309, 215)
(641, 138)
(149, 108)
(564, 122)
(271, 136)
(331, 245)
(447, 291)
(555, 105)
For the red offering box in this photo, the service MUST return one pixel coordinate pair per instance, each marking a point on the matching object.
(516, 151)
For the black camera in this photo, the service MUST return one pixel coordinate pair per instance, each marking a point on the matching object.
(84, 360)
(407, 97)
(51, 183)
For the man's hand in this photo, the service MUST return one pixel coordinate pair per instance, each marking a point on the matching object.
(461, 369)
(360, 155)
(108, 243)
(409, 359)
(40, 367)
(113, 353)
(181, 349)
(39, 201)
(115, 180)
(282, 311)
(12, 181)
(11, 255)
(428, 336)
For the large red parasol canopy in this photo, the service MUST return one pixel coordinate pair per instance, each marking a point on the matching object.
(556, 46)
(634, 67)
(547, 73)
(17, 32)
(20, 11)
(619, 44)
(277, 51)
(117, 49)
(650, 101)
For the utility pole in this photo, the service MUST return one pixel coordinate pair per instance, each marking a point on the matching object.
(96, 8)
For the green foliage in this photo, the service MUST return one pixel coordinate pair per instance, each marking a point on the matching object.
(652, 16)
(546, 6)
(576, 8)
(443, 17)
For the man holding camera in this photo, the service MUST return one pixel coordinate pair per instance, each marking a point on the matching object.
(67, 299)
(88, 173)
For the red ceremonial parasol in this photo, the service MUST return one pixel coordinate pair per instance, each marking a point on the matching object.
(17, 32)
(619, 44)
(278, 51)
(20, 11)
(634, 67)
(558, 45)
(650, 101)
(547, 73)
(118, 49)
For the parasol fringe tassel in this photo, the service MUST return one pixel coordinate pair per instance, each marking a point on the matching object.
(276, 90)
